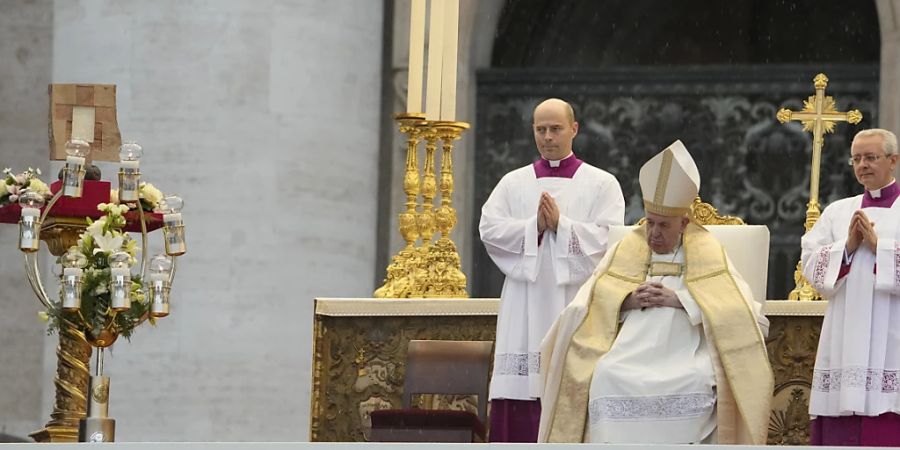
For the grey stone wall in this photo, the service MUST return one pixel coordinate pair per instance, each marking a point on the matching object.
(26, 40)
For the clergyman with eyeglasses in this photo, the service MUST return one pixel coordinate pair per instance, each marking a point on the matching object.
(852, 257)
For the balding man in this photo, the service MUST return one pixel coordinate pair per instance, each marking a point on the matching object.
(545, 226)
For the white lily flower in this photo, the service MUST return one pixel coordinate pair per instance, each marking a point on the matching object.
(95, 229)
(108, 243)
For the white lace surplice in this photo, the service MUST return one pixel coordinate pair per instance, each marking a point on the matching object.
(858, 357)
(657, 383)
(542, 279)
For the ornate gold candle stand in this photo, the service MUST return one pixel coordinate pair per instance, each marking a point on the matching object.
(445, 276)
(401, 271)
(431, 269)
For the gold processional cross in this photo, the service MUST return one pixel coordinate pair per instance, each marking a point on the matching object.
(818, 116)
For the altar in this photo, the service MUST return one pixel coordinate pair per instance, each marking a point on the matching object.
(359, 351)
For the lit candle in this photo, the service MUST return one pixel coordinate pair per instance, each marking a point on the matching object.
(172, 219)
(120, 283)
(28, 229)
(448, 78)
(173, 232)
(435, 59)
(131, 165)
(158, 277)
(129, 181)
(416, 56)
(74, 160)
(71, 288)
(30, 212)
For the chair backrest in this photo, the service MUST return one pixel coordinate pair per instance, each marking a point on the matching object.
(746, 245)
(448, 367)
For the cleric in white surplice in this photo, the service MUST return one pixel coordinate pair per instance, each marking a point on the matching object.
(852, 257)
(545, 226)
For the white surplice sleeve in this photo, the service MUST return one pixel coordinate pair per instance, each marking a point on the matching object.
(511, 242)
(579, 245)
(822, 254)
(887, 261)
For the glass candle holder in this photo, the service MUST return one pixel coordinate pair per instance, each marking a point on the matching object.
(129, 172)
(73, 174)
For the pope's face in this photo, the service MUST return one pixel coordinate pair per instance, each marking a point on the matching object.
(553, 131)
(873, 169)
(664, 232)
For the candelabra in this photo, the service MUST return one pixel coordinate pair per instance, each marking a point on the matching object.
(431, 269)
(100, 298)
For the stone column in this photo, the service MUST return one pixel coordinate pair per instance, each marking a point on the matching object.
(26, 52)
(889, 102)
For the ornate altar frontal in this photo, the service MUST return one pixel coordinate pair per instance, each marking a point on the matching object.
(360, 353)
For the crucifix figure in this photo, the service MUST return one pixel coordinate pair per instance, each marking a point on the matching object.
(818, 116)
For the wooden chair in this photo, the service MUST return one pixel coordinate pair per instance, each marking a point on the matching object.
(439, 367)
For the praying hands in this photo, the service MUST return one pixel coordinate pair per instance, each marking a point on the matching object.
(548, 214)
(651, 294)
(861, 231)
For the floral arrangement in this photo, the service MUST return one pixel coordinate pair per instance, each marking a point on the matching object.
(102, 238)
(14, 184)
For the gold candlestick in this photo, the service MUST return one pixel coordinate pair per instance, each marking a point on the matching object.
(818, 116)
(445, 276)
(400, 272)
(426, 218)
(432, 269)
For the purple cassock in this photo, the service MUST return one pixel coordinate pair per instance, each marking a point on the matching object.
(866, 431)
(519, 420)
(564, 168)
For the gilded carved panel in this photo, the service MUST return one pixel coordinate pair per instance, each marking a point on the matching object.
(359, 367)
(792, 347)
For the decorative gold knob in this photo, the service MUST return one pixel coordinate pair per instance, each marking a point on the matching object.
(783, 115)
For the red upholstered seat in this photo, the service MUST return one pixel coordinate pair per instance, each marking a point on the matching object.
(428, 419)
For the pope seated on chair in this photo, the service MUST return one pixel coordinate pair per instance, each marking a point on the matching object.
(664, 343)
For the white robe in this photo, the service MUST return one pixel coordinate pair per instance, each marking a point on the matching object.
(858, 359)
(649, 377)
(542, 279)
(657, 382)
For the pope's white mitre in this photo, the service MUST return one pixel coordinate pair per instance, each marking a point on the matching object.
(670, 181)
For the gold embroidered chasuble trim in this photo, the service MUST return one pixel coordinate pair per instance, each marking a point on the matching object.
(663, 180)
(727, 317)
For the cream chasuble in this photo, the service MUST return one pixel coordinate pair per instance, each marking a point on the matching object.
(586, 333)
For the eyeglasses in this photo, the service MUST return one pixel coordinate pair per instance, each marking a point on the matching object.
(870, 158)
